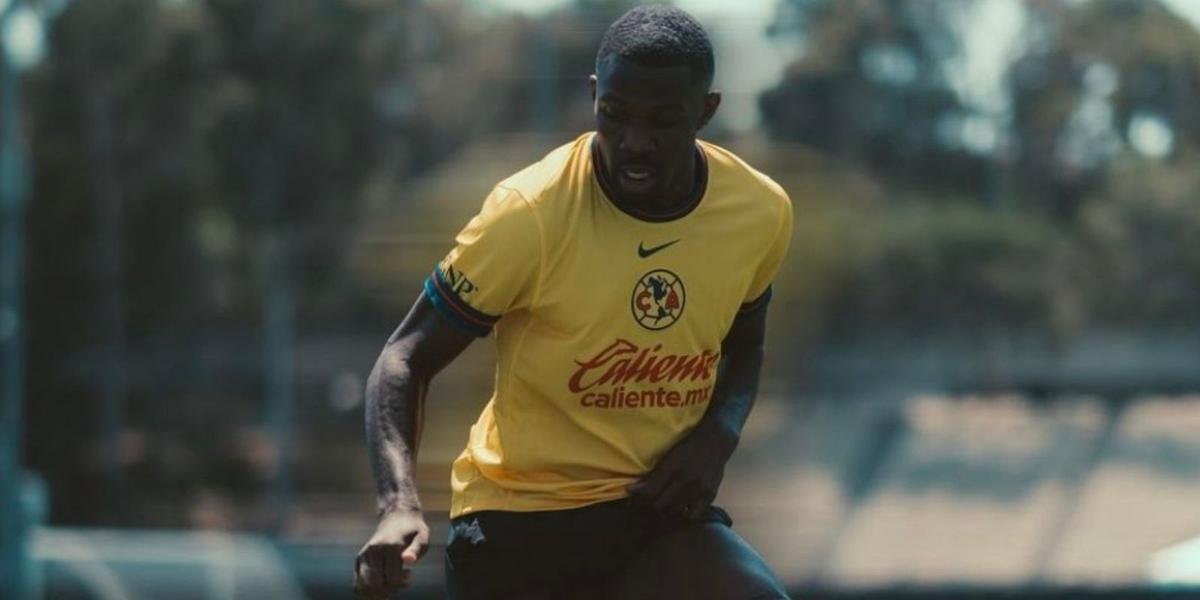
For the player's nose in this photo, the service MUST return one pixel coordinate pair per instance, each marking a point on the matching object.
(636, 141)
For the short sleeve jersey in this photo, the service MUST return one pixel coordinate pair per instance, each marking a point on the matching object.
(608, 326)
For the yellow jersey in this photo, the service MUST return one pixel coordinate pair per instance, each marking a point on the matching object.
(608, 325)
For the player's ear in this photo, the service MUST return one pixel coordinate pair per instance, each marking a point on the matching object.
(712, 100)
(592, 85)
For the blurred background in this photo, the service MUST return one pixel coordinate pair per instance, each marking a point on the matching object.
(983, 372)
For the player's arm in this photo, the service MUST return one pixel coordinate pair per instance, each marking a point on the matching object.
(422, 345)
(687, 478)
(737, 377)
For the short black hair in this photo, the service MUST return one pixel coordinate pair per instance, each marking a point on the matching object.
(656, 35)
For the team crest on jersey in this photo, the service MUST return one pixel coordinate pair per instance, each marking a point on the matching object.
(658, 299)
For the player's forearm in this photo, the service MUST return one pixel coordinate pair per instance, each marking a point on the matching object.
(734, 393)
(394, 400)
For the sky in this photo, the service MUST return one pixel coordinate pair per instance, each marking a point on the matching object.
(1188, 9)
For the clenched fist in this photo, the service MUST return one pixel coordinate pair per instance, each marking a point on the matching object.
(382, 566)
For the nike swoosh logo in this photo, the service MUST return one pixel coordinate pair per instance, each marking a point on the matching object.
(644, 252)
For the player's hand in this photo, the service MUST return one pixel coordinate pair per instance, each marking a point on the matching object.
(686, 479)
(382, 566)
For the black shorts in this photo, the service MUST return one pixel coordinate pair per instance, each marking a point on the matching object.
(590, 552)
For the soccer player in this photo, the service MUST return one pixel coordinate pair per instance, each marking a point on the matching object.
(626, 276)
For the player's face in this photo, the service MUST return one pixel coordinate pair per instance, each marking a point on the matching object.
(646, 124)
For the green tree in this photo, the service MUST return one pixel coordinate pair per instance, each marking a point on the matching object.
(869, 88)
(1094, 80)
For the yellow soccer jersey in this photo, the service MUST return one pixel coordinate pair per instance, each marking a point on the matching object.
(608, 326)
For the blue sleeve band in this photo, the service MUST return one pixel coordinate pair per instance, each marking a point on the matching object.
(448, 307)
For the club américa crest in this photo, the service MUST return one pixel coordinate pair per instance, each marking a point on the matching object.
(658, 299)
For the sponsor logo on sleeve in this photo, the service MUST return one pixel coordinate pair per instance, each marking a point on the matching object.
(459, 284)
